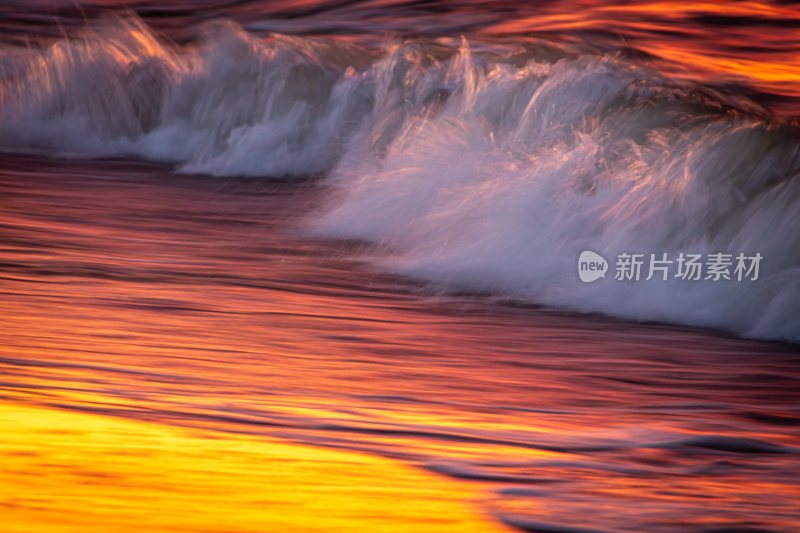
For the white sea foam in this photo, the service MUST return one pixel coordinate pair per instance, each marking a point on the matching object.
(487, 169)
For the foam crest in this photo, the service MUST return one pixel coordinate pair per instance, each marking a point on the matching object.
(482, 166)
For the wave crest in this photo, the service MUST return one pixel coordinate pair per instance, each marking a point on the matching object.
(480, 165)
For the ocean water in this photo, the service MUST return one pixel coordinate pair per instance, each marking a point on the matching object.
(482, 162)
(355, 225)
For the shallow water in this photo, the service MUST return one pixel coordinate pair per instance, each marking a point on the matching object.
(200, 302)
(68, 471)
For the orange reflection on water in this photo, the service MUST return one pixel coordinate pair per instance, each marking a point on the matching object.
(753, 43)
(191, 302)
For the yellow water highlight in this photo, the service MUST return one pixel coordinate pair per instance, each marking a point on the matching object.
(64, 471)
(749, 42)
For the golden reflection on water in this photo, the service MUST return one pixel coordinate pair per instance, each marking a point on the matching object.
(68, 472)
(753, 43)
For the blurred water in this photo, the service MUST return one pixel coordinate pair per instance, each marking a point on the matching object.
(194, 301)
(481, 165)
(146, 291)
(750, 46)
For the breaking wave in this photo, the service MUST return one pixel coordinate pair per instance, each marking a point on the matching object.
(481, 165)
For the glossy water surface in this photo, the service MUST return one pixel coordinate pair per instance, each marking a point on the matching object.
(188, 301)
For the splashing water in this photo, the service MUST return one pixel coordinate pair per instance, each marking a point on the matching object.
(479, 165)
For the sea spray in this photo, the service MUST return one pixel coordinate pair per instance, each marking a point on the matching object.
(482, 166)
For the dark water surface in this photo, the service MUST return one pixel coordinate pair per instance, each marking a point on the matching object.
(128, 290)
